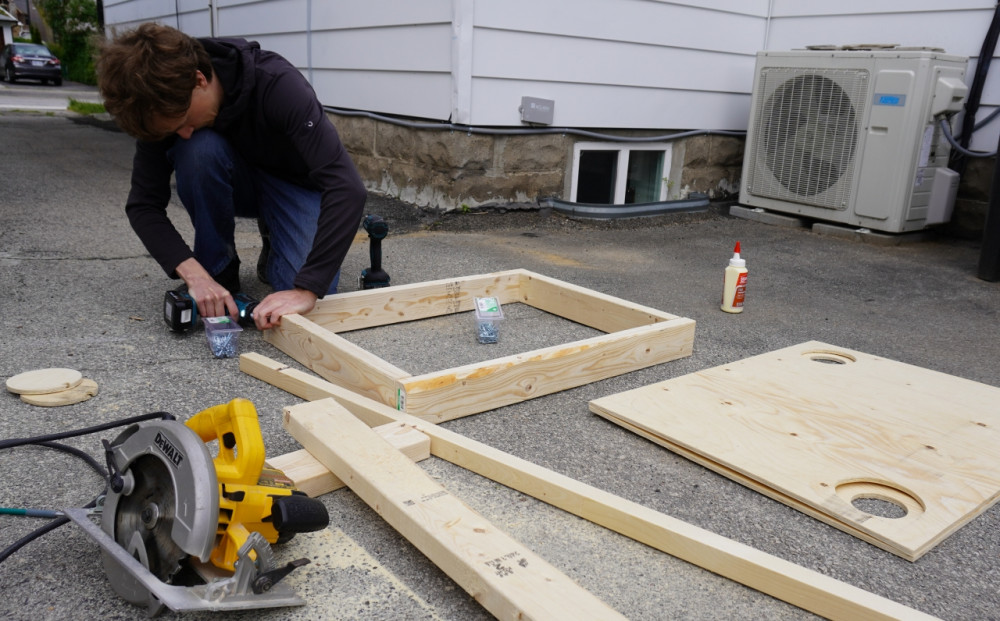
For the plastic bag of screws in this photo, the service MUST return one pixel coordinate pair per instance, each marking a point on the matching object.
(488, 318)
(223, 336)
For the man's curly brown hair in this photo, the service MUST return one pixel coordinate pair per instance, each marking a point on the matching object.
(149, 73)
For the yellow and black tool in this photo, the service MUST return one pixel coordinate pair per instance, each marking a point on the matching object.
(251, 498)
(183, 529)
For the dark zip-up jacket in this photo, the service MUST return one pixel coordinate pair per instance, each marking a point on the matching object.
(272, 117)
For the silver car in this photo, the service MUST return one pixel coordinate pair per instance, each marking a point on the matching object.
(30, 60)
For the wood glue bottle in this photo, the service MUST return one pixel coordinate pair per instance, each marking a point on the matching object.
(735, 284)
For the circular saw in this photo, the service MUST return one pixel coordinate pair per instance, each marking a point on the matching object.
(184, 530)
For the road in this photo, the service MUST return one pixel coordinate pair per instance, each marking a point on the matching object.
(39, 97)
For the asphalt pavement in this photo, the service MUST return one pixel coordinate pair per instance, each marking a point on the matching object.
(80, 291)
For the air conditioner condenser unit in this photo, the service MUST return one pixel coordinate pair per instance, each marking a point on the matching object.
(851, 136)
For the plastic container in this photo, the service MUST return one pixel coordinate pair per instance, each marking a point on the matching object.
(488, 318)
(223, 336)
(735, 283)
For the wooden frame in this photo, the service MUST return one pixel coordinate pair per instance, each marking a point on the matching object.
(636, 337)
(769, 574)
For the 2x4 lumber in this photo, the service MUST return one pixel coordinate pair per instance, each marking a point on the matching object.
(585, 306)
(759, 570)
(470, 389)
(335, 358)
(311, 477)
(356, 310)
(507, 578)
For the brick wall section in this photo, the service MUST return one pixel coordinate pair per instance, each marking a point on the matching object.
(445, 170)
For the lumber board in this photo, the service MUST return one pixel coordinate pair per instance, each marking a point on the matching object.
(823, 435)
(357, 310)
(637, 337)
(507, 578)
(470, 389)
(311, 477)
(335, 358)
(586, 306)
(767, 573)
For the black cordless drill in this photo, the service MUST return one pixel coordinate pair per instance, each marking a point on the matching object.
(374, 277)
(181, 313)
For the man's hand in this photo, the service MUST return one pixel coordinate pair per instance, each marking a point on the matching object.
(268, 313)
(213, 299)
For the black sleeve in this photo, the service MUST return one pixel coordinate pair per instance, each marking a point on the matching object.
(146, 206)
(291, 106)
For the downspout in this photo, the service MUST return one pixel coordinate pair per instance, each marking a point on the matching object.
(767, 25)
(461, 60)
(212, 16)
(309, 42)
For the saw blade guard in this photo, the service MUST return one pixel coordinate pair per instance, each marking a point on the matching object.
(177, 454)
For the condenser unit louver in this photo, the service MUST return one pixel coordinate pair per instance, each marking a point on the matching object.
(851, 137)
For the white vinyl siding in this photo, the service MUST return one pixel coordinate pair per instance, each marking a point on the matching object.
(627, 64)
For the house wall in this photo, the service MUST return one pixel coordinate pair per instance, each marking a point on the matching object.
(611, 65)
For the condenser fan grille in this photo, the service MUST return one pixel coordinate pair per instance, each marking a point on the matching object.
(806, 135)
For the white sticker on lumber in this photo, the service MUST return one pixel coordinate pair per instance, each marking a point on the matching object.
(821, 427)
(508, 579)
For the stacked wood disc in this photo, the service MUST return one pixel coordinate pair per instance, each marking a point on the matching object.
(52, 387)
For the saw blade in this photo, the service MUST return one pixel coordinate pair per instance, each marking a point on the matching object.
(144, 518)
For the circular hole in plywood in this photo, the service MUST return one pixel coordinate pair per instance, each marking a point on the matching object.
(829, 357)
(880, 507)
(880, 499)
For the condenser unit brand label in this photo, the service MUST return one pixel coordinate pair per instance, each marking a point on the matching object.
(888, 99)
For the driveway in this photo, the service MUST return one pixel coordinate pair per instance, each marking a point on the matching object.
(80, 291)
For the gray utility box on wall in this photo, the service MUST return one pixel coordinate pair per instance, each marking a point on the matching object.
(851, 136)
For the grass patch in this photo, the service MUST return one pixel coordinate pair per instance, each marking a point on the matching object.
(85, 107)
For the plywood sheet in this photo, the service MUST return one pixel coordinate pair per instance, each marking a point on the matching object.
(827, 429)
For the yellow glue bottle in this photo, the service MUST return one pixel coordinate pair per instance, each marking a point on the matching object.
(735, 285)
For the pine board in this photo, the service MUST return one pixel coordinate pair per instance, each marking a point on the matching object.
(637, 337)
(508, 579)
(818, 426)
(314, 479)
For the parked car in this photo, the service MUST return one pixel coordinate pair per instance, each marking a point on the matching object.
(30, 60)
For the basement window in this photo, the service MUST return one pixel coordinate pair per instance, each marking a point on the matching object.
(620, 173)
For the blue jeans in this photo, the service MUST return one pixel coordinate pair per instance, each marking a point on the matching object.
(216, 185)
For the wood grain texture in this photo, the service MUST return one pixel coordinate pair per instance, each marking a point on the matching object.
(449, 394)
(769, 574)
(818, 427)
(311, 477)
(335, 358)
(638, 337)
(507, 578)
(590, 308)
(43, 381)
(86, 389)
(388, 305)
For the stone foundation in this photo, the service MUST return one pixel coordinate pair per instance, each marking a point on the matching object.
(445, 170)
